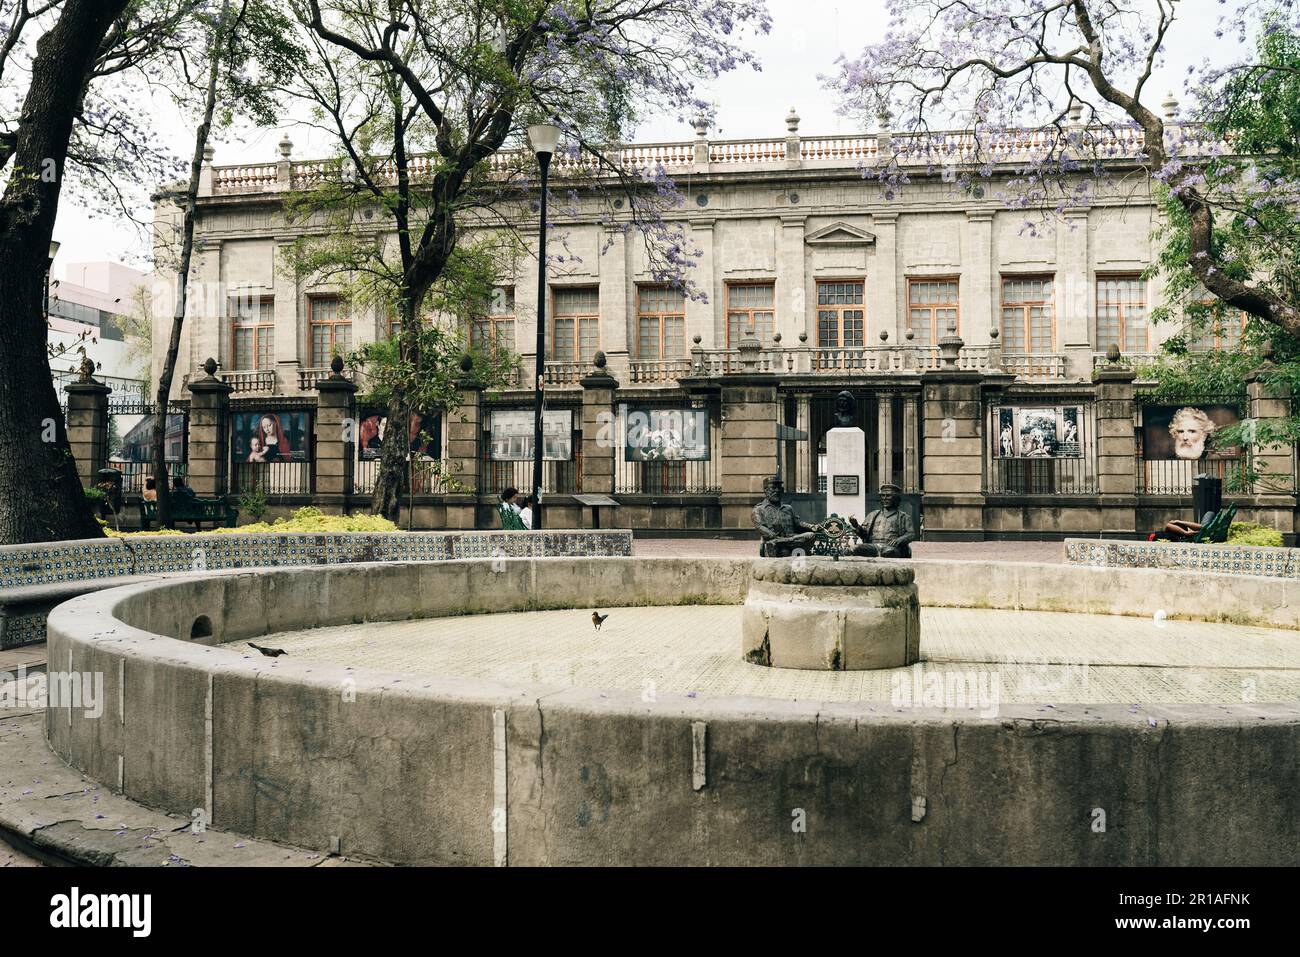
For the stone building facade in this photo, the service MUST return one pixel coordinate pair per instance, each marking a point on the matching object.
(938, 307)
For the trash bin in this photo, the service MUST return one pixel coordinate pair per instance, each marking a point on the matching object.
(1207, 496)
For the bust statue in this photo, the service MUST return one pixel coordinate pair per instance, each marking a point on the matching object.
(846, 409)
(887, 532)
(783, 532)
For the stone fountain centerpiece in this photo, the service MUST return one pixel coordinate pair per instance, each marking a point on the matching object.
(851, 614)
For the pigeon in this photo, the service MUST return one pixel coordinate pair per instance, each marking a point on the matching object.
(269, 652)
(598, 619)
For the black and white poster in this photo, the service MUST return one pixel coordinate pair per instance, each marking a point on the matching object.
(1052, 432)
(512, 435)
(666, 435)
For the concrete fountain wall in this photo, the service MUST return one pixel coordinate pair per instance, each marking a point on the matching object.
(420, 769)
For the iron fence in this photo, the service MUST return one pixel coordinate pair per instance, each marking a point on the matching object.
(891, 422)
(563, 477)
(1041, 445)
(1175, 442)
(426, 476)
(272, 478)
(669, 477)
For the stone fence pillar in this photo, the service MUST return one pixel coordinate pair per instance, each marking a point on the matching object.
(209, 450)
(87, 425)
(952, 459)
(336, 436)
(1275, 491)
(749, 446)
(1116, 450)
(599, 439)
(464, 464)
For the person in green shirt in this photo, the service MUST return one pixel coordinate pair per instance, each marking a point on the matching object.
(509, 515)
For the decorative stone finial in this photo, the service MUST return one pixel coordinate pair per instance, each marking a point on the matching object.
(950, 347)
(701, 125)
(209, 152)
(1076, 111)
(792, 121)
(210, 367)
(883, 117)
(803, 336)
(1112, 353)
(696, 339)
(466, 363)
(336, 364)
(1170, 106)
(884, 335)
(286, 146)
(909, 335)
(1266, 350)
(776, 337)
(993, 335)
(599, 360)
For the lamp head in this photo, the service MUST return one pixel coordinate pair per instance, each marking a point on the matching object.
(54, 249)
(544, 138)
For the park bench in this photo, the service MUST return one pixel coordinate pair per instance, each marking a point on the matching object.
(191, 510)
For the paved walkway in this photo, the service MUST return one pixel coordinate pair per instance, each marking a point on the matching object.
(1031, 657)
(71, 818)
(956, 551)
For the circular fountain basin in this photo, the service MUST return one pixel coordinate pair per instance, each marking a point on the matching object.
(823, 614)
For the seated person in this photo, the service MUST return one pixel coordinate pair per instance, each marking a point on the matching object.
(887, 532)
(508, 512)
(783, 532)
(150, 493)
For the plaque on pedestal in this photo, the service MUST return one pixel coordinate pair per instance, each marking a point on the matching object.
(846, 480)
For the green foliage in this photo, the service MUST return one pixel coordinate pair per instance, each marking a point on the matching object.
(253, 503)
(94, 495)
(308, 519)
(1253, 533)
(1259, 112)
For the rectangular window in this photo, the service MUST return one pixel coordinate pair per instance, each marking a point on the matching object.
(751, 311)
(575, 333)
(661, 323)
(496, 327)
(841, 318)
(932, 309)
(1122, 314)
(1028, 315)
(253, 333)
(330, 328)
(1223, 332)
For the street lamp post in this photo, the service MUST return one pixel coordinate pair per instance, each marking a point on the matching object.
(544, 138)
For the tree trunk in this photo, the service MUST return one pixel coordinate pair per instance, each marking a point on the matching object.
(41, 498)
(158, 437)
(394, 468)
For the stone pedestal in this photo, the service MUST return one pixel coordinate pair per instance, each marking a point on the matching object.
(819, 614)
(1116, 451)
(846, 468)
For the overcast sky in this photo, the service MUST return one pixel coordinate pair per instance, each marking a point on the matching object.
(806, 38)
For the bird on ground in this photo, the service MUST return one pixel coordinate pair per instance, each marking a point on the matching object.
(269, 652)
(598, 619)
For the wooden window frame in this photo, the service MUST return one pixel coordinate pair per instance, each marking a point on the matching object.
(578, 319)
(1216, 339)
(259, 329)
(342, 318)
(748, 311)
(1098, 279)
(839, 309)
(659, 318)
(1024, 306)
(935, 333)
(492, 321)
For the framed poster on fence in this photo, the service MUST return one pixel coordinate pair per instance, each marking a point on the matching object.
(265, 437)
(424, 432)
(1187, 432)
(665, 435)
(512, 435)
(1051, 432)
